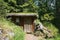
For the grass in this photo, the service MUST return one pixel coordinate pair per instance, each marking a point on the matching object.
(56, 37)
(18, 33)
(51, 27)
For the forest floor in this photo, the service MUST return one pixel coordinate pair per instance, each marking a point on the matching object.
(31, 37)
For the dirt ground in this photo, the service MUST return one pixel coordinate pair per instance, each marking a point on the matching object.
(30, 37)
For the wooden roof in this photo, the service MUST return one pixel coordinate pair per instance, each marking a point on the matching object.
(22, 14)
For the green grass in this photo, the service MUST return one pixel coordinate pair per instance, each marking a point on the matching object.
(56, 37)
(51, 27)
(19, 34)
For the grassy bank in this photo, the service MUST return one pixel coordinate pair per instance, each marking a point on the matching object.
(54, 31)
(18, 33)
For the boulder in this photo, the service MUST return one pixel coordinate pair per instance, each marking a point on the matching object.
(45, 34)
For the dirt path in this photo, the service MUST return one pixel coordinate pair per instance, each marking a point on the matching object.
(30, 37)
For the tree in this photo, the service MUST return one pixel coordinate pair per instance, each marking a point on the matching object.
(43, 8)
(2, 9)
(46, 10)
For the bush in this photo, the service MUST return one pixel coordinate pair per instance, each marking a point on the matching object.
(18, 33)
(2, 8)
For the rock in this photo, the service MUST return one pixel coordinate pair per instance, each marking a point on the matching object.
(41, 38)
(6, 38)
(1, 30)
(45, 34)
(48, 33)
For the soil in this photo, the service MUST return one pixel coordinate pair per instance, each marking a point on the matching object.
(30, 37)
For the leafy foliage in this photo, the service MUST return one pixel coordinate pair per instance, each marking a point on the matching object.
(2, 8)
(19, 5)
(45, 12)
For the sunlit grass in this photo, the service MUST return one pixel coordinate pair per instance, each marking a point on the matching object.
(51, 27)
(19, 34)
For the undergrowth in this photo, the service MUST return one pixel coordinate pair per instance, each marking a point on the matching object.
(53, 29)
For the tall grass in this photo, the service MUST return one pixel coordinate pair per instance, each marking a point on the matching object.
(18, 33)
(51, 27)
(56, 38)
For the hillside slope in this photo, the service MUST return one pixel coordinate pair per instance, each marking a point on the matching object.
(9, 31)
